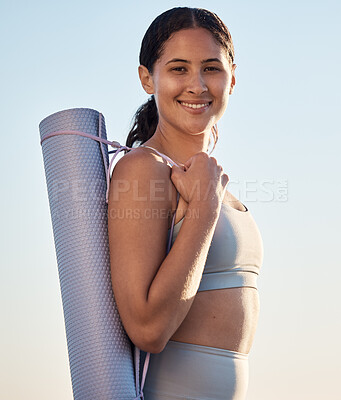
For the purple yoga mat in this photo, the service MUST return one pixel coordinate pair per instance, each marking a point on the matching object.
(100, 352)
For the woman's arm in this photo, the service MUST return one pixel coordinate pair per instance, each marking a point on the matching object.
(154, 292)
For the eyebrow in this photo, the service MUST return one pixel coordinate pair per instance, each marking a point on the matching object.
(173, 60)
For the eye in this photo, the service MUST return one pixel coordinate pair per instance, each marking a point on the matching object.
(179, 69)
(212, 69)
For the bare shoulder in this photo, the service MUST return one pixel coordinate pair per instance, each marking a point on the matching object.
(144, 166)
(139, 158)
(141, 182)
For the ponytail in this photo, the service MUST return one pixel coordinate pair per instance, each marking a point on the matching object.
(144, 123)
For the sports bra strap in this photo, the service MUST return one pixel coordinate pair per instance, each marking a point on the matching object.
(161, 154)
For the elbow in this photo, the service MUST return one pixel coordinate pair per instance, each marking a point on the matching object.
(149, 340)
(153, 348)
(147, 331)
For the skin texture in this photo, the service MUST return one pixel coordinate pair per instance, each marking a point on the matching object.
(157, 294)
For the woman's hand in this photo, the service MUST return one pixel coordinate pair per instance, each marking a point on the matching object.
(201, 180)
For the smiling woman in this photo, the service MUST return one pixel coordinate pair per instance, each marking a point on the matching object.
(196, 80)
(195, 307)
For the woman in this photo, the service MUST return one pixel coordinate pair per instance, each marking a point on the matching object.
(196, 308)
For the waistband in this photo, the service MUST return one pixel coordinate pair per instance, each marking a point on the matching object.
(207, 350)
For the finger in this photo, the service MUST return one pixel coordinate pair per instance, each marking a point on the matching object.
(224, 179)
(188, 163)
(177, 171)
(176, 168)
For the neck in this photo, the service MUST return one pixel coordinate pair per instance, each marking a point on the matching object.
(177, 145)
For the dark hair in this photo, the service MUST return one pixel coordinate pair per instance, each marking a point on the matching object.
(146, 118)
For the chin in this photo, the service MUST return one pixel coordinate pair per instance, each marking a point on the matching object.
(196, 129)
(203, 129)
(195, 132)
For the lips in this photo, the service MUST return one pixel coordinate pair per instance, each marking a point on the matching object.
(195, 105)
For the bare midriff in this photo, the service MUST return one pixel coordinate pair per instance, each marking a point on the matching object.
(223, 318)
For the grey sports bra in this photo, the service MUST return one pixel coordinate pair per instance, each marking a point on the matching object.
(236, 252)
(235, 255)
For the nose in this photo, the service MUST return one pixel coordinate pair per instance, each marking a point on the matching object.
(197, 83)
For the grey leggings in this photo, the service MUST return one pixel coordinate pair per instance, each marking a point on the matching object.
(190, 371)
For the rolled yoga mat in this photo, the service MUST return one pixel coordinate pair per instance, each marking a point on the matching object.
(100, 352)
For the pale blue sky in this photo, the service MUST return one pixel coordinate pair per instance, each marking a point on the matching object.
(281, 128)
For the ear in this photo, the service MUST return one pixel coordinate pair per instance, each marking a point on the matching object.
(146, 79)
(233, 79)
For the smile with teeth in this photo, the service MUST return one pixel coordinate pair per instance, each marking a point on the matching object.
(191, 105)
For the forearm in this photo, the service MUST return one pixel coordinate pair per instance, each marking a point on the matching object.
(175, 285)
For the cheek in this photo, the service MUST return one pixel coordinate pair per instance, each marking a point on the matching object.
(223, 91)
(168, 90)
(221, 87)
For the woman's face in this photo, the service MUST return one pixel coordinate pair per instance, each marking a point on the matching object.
(191, 81)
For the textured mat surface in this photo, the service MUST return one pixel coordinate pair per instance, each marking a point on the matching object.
(100, 352)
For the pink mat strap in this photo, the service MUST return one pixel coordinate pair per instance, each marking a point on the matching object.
(101, 140)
